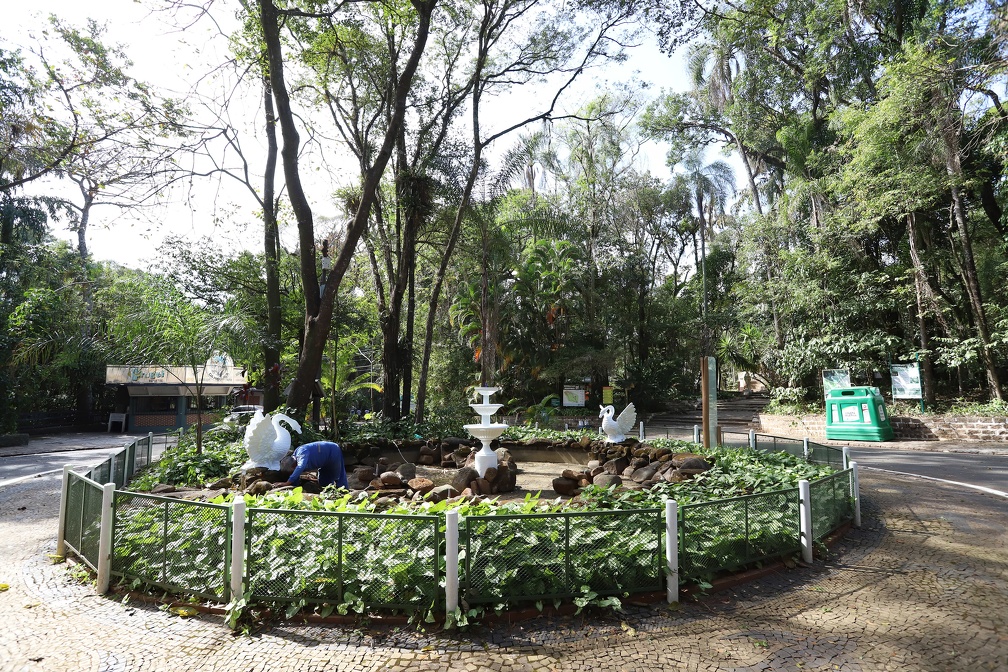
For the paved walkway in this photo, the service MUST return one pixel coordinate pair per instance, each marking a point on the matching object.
(923, 585)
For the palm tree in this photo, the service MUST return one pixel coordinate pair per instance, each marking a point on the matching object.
(710, 186)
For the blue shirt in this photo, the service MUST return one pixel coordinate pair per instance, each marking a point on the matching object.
(325, 456)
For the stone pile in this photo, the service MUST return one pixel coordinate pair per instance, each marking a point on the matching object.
(633, 466)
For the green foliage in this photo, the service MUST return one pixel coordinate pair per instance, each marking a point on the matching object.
(222, 454)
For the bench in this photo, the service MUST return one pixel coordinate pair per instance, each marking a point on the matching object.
(117, 417)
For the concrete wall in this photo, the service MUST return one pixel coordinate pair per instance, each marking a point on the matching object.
(911, 428)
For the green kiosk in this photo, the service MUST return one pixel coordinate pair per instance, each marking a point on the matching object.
(857, 414)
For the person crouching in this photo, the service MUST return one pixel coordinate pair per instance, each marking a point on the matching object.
(325, 456)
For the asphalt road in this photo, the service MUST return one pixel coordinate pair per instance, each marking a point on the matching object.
(982, 470)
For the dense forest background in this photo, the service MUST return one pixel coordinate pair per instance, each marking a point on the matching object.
(836, 201)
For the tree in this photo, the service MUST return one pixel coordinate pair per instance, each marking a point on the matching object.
(158, 325)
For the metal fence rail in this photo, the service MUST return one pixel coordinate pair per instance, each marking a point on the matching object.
(83, 518)
(172, 543)
(533, 557)
(832, 503)
(828, 455)
(369, 560)
(359, 561)
(730, 533)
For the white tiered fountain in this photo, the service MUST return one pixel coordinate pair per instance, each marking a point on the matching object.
(486, 431)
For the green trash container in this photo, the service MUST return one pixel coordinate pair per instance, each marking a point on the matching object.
(857, 414)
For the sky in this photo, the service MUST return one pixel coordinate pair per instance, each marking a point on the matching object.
(170, 60)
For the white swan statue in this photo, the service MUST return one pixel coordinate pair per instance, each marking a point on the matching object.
(266, 441)
(616, 430)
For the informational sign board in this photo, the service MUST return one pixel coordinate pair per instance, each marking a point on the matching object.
(573, 396)
(906, 382)
(607, 395)
(833, 379)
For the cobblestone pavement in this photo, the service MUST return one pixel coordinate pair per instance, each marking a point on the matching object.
(923, 585)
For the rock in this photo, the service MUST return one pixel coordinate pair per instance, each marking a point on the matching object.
(355, 483)
(481, 486)
(259, 488)
(694, 465)
(593, 463)
(571, 474)
(461, 455)
(463, 477)
(673, 476)
(406, 471)
(504, 456)
(639, 462)
(585, 442)
(221, 483)
(607, 480)
(441, 493)
(490, 474)
(584, 481)
(390, 479)
(565, 486)
(427, 450)
(616, 466)
(501, 478)
(595, 471)
(643, 474)
(162, 489)
(375, 484)
(364, 474)
(628, 472)
(427, 460)
(421, 485)
(254, 474)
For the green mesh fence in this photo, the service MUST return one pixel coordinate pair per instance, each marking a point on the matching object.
(546, 556)
(832, 503)
(73, 517)
(828, 455)
(772, 444)
(734, 439)
(360, 560)
(90, 522)
(174, 544)
(118, 462)
(730, 533)
(102, 472)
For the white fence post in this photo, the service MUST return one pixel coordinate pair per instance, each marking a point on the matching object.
(640, 432)
(237, 547)
(61, 526)
(805, 448)
(752, 439)
(105, 540)
(857, 494)
(672, 550)
(846, 457)
(805, 519)
(451, 561)
(696, 433)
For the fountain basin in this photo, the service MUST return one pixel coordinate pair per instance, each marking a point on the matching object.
(486, 409)
(486, 433)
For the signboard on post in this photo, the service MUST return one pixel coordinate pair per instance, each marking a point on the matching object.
(906, 382)
(834, 379)
(573, 396)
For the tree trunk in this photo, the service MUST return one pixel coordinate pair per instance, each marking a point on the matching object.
(319, 310)
(920, 282)
(954, 168)
(274, 324)
(406, 360)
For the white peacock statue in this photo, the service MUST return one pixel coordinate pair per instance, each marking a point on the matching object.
(266, 441)
(616, 429)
